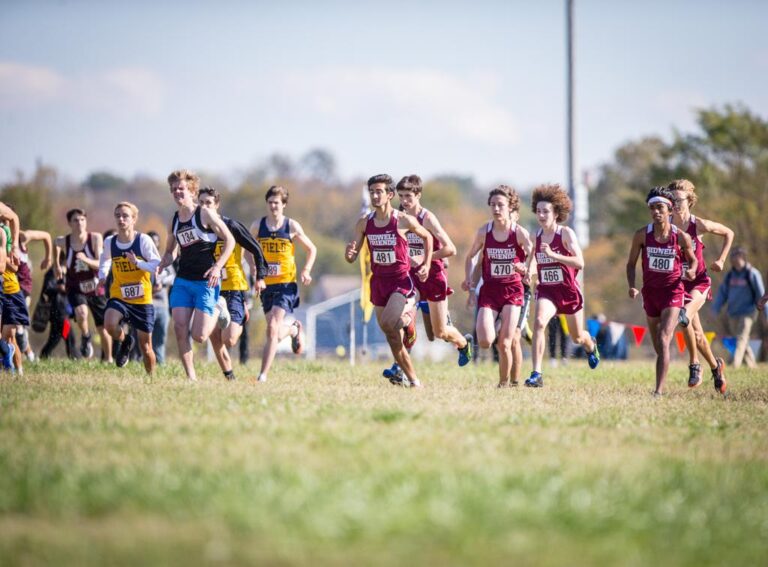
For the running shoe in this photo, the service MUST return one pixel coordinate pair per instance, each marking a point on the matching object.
(718, 375)
(124, 352)
(398, 378)
(536, 380)
(594, 357)
(86, 347)
(297, 342)
(224, 317)
(8, 358)
(465, 354)
(682, 319)
(409, 332)
(31, 356)
(694, 375)
(392, 371)
(412, 383)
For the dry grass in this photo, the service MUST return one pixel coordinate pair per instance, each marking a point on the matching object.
(330, 465)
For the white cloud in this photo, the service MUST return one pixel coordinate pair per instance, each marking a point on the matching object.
(126, 89)
(439, 101)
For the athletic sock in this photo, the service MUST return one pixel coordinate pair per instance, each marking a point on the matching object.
(229, 374)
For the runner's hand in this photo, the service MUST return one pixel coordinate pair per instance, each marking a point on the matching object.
(260, 286)
(306, 279)
(633, 293)
(213, 275)
(716, 266)
(352, 251)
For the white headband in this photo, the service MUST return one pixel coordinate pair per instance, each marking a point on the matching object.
(658, 199)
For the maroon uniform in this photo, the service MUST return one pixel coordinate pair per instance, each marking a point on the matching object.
(390, 262)
(81, 278)
(702, 281)
(502, 285)
(25, 271)
(435, 288)
(556, 281)
(662, 273)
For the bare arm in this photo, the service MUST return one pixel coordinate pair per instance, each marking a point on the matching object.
(212, 220)
(686, 245)
(7, 214)
(40, 235)
(3, 257)
(634, 253)
(58, 250)
(727, 234)
(570, 242)
(303, 239)
(354, 245)
(170, 249)
(477, 244)
(448, 249)
(97, 243)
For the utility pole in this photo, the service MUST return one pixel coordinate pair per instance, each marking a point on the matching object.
(576, 189)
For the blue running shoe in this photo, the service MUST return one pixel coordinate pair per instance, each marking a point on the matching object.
(465, 354)
(594, 357)
(394, 374)
(8, 358)
(535, 380)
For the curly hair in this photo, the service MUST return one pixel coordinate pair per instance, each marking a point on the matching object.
(510, 194)
(686, 187)
(555, 194)
(193, 181)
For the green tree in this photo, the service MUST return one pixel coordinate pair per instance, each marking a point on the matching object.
(33, 198)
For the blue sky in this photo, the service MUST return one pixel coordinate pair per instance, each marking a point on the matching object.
(473, 88)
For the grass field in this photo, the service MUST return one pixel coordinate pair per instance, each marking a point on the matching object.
(330, 465)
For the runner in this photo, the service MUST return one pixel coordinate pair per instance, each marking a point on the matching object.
(393, 292)
(505, 246)
(434, 292)
(9, 216)
(558, 261)
(276, 233)
(195, 302)
(698, 290)
(14, 308)
(82, 250)
(25, 279)
(131, 258)
(234, 285)
(664, 249)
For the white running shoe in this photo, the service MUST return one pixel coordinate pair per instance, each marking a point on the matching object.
(224, 317)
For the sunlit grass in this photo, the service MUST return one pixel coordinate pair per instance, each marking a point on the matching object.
(327, 464)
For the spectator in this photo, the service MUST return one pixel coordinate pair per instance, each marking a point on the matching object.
(741, 289)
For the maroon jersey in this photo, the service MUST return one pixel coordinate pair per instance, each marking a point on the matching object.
(25, 270)
(81, 278)
(389, 250)
(416, 244)
(499, 257)
(662, 261)
(698, 248)
(554, 275)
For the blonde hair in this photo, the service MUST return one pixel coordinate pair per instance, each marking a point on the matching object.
(686, 187)
(130, 206)
(193, 181)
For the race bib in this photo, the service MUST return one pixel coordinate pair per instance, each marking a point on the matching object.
(187, 236)
(552, 275)
(89, 286)
(501, 269)
(273, 270)
(664, 264)
(415, 252)
(134, 291)
(384, 257)
(81, 266)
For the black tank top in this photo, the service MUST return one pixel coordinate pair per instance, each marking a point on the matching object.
(197, 245)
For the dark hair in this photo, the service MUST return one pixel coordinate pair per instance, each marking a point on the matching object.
(739, 251)
(555, 194)
(208, 190)
(277, 191)
(661, 192)
(73, 212)
(153, 233)
(382, 178)
(109, 232)
(410, 183)
(509, 193)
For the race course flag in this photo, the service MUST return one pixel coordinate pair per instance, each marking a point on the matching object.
(710, 335)
(639, 333)
(680, 338)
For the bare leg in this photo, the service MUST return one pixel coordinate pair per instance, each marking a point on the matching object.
(510, 352)
(438, 315)
(277, 330)
(579, 334)
(112, 319)
(662, 331)
(689, 332)
(545, 310)
(391, 320)
(181, 318)
(203, 325)
(221, 351)
(145, 344)
(106, 344)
